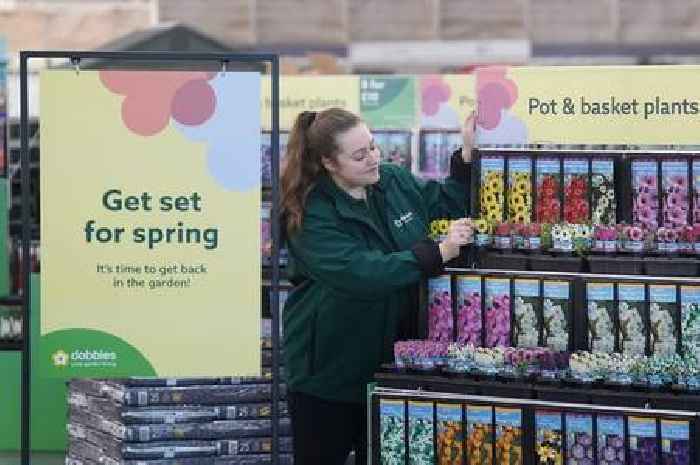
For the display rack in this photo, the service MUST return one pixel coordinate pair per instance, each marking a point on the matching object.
(13, 173)
(578, 334)
(417, 435)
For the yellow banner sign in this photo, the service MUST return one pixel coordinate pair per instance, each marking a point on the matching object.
(150, 210)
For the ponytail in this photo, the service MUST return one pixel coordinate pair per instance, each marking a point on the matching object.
(313, 136)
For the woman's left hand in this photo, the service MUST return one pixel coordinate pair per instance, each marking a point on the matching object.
(468, 131)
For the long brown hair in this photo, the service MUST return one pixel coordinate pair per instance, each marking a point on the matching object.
(313, 137)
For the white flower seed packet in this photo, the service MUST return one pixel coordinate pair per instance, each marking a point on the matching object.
(664, 317)
(601, 318)
(631, 314)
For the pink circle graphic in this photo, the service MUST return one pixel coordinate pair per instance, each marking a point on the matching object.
(193, 103)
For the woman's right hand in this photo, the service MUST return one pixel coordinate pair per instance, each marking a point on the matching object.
(460, 233)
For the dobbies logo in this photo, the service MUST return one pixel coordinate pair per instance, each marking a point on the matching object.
(84, 358)
(60, 358)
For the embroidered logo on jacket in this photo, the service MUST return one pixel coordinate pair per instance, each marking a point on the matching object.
(403, 220)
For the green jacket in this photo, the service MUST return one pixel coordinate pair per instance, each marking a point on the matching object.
(352, 274)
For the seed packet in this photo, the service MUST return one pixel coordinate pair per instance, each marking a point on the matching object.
(509, 436)
(497, 312)
(579, 439)
(469, 313)
(266, 155)
(431, 160)
(632, 319)
(643, 448)
(548, 439)
(420, 433)
(394, 147)
(548, 209)
(576, 186)
(663, 317)
(400, 149)
(440, 321)
(645, 193)
(674, 195)
(555, 313)
(519, 190)
(690, 320)
(526, 313)
(265, 232)
(479, 435)
(492, 188)
(675, 442)
(393, 432)
(611, 440)
(696, 191)
(266, 158)
(451, 437)
(603, 191)
(601, 321)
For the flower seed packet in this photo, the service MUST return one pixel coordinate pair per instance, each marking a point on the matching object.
(603, 191)
(696, 191)
(548, 204)
(645, 193)
(555, 315)
(266, 158)
(265, 232)
(548, 437)
(394, 147)
(509, 436)
(632, 319)
(420, 433)
(469, 313)
(663, 319)
(526, 313)
(576, 207)
(690, 320)
(601, 321)
(450, 435)
(611, 440)
(675, 442)
(440, 321)
(492, 188)
(479, 435)
(643, 448)
(674, 195)
(498, 312)
(266, 155)
(392, 432)
(579, 439)
(519, 190)
(430, 163)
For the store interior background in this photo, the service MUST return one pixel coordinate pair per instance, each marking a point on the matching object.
(313, 37)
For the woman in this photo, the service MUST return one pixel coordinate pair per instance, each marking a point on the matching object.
(358, 246)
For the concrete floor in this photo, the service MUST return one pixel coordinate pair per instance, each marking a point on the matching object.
(7, 458)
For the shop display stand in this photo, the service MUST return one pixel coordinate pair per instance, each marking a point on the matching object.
(621, 262)
(29, 228)
(578, 284)
(528, 409)
(14, 177)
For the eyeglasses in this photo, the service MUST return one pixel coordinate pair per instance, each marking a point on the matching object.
(363, 153)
